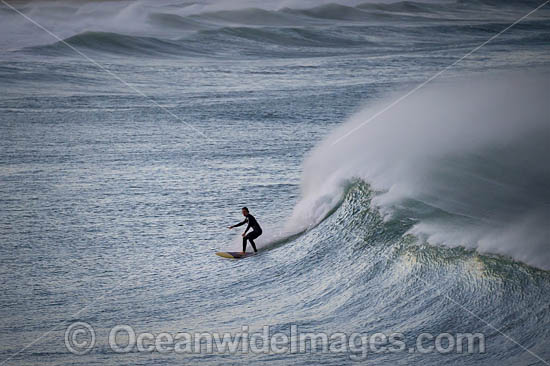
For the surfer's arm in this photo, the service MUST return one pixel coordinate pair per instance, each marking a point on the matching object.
(240, 224)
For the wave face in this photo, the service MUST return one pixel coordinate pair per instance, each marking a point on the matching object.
(464, 165)
(253, 29)
(368, 271)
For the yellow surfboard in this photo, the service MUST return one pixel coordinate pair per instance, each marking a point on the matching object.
(234, 255)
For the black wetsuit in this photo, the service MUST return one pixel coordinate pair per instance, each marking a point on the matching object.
(256, 231)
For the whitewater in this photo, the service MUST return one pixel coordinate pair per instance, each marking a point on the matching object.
(383, 210)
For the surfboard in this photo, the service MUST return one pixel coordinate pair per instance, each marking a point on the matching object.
(234, 255)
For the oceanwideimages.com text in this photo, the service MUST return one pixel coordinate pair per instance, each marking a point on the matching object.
(80, 338)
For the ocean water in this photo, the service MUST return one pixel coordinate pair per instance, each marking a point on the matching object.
(134, 132)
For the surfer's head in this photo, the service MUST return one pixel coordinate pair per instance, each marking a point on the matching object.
(245, 211)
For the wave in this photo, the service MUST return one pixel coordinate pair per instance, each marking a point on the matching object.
(464, 164)
(293, 37)
(117, 44)
(169, 28)
(241, 41)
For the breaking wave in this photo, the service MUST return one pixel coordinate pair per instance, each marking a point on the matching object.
(458, 165)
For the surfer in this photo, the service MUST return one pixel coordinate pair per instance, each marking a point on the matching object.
(252, 223)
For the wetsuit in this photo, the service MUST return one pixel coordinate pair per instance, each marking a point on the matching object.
(256, 231)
